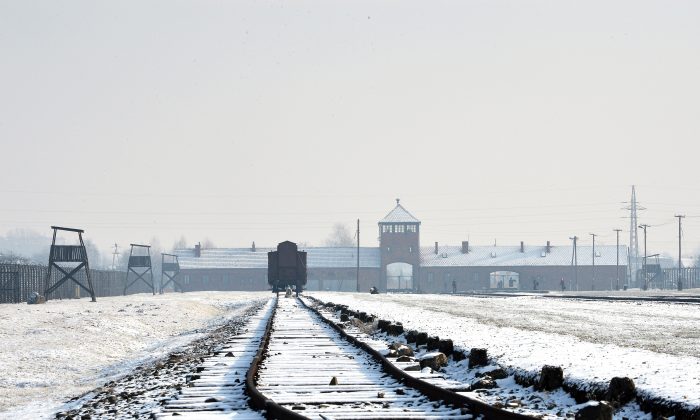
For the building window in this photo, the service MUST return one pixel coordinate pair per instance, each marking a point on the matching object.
(400, 228)
(386, 228)
(186, 280)
(411, 228)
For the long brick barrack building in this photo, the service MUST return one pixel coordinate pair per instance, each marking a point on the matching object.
(401, 264)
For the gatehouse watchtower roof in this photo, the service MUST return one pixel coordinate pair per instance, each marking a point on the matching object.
(399, 215)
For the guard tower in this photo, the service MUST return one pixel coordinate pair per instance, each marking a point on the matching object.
(142, 263)
(68, 254)
(399, 241)
(170, 269)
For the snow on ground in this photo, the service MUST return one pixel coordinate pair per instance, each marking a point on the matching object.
(656, 344)
(50, 353)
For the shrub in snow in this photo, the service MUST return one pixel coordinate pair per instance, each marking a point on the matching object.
(478, 357)
(551, 378)
(446, 346)
(621, 390)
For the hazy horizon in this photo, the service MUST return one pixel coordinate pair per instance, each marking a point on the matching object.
(267, 121)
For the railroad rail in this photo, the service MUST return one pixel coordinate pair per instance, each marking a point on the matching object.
(654, 299)
(650, 298)
(293, 363)
(218, 388)
(311, 371)
(310, 368)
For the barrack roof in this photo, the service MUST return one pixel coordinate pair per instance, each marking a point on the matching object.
(321, 257)
(510, 256)
(399, 215)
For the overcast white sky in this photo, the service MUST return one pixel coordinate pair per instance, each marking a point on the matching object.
(271, 120)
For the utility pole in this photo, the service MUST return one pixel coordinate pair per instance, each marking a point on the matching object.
(115, 257)
(680, 266)
(593, 262)
(633, 254)
(617, 262)
(358, 256)
(646, 281)
(574, 260)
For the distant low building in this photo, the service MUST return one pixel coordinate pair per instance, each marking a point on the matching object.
(401, 264)
(246, 268)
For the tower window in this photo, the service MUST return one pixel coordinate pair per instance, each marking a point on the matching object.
(400, 228)
(386, 228)
(411, 228)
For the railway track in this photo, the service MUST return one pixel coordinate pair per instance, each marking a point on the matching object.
(292, 363)
(311, 371)
(655, 299)
(218, 388)
(684, 299)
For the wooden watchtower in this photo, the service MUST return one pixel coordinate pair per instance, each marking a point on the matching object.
(170, 270)
(68, 254)
(143, 264)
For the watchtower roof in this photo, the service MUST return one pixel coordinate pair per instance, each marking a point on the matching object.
(399, 215)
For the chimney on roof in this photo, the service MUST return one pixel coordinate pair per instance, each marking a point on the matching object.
(198, 250)
(522, 246)
(252, 248)
(465, 247)
(436, 248)
(549, 248)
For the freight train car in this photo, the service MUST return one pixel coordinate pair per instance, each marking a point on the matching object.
(286, 267)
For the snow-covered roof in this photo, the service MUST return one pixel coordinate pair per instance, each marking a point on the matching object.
(507, 256)
(321, 257)
(399, 215)
(447, 256)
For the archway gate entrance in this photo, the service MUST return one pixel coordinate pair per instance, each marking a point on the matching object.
(399, 277)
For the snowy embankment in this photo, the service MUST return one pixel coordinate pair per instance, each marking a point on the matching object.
(655, 344)
(50, 353)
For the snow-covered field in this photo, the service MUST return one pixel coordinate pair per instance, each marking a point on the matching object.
(655, 344)
(50, 353)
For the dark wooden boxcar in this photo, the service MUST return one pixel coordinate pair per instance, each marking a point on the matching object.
(286, 267)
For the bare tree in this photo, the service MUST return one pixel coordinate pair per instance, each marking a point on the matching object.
(156, 257)
(180, 243)
(340, 236)
(10, 258)
(94, 255)
(26, 243)
(208, 244)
